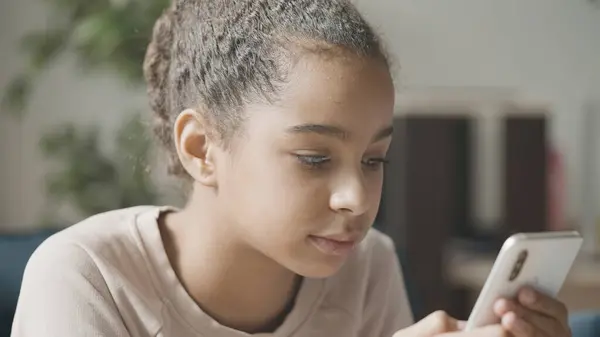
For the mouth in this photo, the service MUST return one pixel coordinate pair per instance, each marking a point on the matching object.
(331, 246)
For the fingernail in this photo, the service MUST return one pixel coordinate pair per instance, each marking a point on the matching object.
(461, 325)
(511, 322)
(509, 319)
(500, 307)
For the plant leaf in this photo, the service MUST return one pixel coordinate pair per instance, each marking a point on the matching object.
(14, 99)
(44, 46)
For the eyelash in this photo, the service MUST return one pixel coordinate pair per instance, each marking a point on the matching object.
(316, 161)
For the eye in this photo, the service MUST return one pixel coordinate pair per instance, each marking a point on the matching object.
(375, 163)
(313, 161)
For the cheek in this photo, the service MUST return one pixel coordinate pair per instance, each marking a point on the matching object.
(375, 186)
(271, 193)
(294, 198)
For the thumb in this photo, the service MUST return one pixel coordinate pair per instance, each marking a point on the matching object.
(489, 330)
(436, 323)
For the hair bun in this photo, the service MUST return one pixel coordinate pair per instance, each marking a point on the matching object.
(156, 73)
(156, 64)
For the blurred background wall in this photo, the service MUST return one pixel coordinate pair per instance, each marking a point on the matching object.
(543, 50)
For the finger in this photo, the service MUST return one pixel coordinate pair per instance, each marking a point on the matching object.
(436, 323)
(496, 330)
(544, 304)
(541, 322)
(518, 327)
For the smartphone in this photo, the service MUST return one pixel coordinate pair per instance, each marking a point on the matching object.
(540, 260)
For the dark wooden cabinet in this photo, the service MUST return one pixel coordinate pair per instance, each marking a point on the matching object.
(426, 200)
(525, 174)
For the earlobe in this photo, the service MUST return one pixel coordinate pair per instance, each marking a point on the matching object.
(195, 147)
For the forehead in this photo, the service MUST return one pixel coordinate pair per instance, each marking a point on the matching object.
(354, 93)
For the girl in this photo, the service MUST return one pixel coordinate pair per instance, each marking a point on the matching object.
(279, 115)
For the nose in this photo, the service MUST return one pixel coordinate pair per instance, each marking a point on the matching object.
(350, 196)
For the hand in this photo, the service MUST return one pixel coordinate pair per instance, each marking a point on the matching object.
(533, 314)
(434, 324)
(440, 324)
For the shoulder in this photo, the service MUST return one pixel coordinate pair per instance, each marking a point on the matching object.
(107, 235)
(101, 249)
(100, 228)
(97, 272)
(59, 264)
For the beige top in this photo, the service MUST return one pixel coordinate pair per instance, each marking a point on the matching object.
(110, 276)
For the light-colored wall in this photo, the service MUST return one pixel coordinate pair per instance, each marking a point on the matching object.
(546, 49)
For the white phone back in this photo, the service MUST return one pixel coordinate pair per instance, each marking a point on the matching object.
(549, 259)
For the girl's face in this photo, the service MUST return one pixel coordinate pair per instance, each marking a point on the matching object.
(302, 181)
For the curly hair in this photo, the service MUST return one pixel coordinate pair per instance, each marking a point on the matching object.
(218, 55)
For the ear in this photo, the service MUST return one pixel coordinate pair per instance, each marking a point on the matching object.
(195, 147)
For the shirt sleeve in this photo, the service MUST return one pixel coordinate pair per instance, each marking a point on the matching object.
(64, 294)
(387, 307)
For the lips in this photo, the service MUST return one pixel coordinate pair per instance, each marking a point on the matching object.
(333, 246)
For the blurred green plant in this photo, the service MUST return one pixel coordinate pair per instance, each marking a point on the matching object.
(102, 34)
(92, 181)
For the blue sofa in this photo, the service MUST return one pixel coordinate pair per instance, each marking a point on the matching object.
(585, 324)
(15, 250)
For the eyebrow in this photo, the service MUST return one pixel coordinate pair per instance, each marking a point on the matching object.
(334, 131)
(321, 129)
(384, 133)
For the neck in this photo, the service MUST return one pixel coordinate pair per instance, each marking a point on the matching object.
(233, 283)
